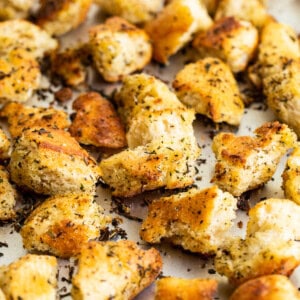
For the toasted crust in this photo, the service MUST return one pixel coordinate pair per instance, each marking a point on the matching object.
(175, 26)
(96, 122)
(50, 161)
(114, 269)
(229, 39)
(172, 288)
(244, 163)
(119, 48)
(7, 196)
(32, 277)
(59, 17)
(209, 87)
(198, 220)
(14, 9)
(4, 146)
(271, 287)
(211, 6)
(22, 117)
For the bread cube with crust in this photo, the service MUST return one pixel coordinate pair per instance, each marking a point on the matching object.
(14, 9)
(4, 145)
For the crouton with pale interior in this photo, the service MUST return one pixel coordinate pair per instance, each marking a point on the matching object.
(172, 288)
(31, 277)
(96, 122)
(245, 162)
(4, 145)
(210, 88)
(118, 270)
(51, 162)
(14, 9)
(197, 220)
(175, 25)
(119, 48)
(232, 40)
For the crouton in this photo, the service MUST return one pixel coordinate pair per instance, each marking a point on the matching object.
(244, 162)
(172, 288)
(22, 117)
(232, 40)
(96, 122)
(211, 6)
(63, 224)
(32, 277)
(175, 25)
(210, 88)
(134, 11)
(59, 17)
(2, 296)
(14, 9)
(51, 162)
(270, 287)
(119, 48)
(4, 145)
(7, 196)
(197, 220)
(118, 270)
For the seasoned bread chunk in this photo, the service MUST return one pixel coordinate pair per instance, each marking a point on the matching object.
(291, 176)
(59, 17)
(244, 162)
(119, 48)
(270, 287)
(63, 224)
(210, 88)
(22, 117)
(96, 122)
(118, 270)
(175, 25)
(51, 162)
(14, 9)
(232, 40)
(134, 11)
(197, 220)
(7, 196)
(172, 288)
(4, 145)
(32, 277)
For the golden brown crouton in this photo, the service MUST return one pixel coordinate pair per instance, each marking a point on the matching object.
(63, 224)
(134, 11)
(211, 89)
(198, 220)
(232, 40)
(59, 17)
(4, 145)
(51, 162)
(119, 48)
(118, 270)
(270, 287)
(96, 122)
(14, 9)
(32, 277)
(175, 26)
(2, 296)
(291, 176)
(172, 288)
(22, 117)
(251, 10)
(244, 162)
(7, 196)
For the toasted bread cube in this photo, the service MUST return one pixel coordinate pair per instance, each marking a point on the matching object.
(22, 117)
(175, 25)
(59, 17)
(4, 146)
(32, 277)
(134, 11)
(63, 224)
(232, 40)
(118, 270)
(291, 176)
(2, 296)
(14, 9)
(96, 122)
(210, 88)
(51, 162)
(270, 287)
(251, 10)
(197, 220)
(119, 48)
(172, 288)
(244, 162)
(7, 196)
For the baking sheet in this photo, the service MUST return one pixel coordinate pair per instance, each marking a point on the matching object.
(176, 261)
